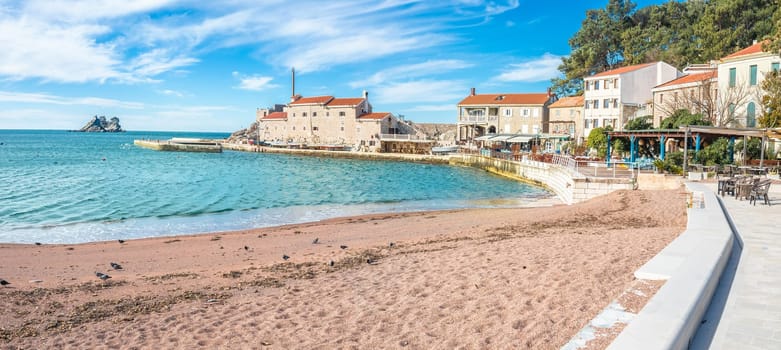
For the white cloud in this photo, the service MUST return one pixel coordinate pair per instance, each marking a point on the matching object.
(76, 41)
(157, 61)
(253, 82)
(168, 92)
(421, 91)
(534, 70)
(41, 98)
(416, 70)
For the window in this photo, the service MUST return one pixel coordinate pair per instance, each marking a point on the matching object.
(558, 113)
(774, 66)
(341, 114)
(751, 115)
(596, 85)
(615, 103)
(596, 123)
(294, 128)
(596, 104)
(731, 110)
(508, 112)
(314, 128)
(341, 128)
(752, 75)
(327, 114)
(661, 98)
(588, 85)
(615, 83)
(294, 114)
(587, 123)
(303, 114)
(314, 114)
(606, 103)
(525, 112)
(732, 76)
(607, 84)
(585, 105)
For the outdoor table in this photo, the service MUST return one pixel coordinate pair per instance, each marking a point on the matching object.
(744, 169)
(759, 171)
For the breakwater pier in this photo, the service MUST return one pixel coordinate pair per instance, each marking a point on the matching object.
(182, 145)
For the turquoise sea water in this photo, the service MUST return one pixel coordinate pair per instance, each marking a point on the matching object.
(64, 187)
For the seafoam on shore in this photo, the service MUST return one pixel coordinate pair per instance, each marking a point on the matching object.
(481, 278)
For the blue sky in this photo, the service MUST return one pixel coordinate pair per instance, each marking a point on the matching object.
(206, 66)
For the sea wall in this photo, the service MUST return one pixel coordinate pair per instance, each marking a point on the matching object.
(176, 147)
(418, 158)
(571, 187)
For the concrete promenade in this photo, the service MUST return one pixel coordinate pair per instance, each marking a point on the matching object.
(745, 312)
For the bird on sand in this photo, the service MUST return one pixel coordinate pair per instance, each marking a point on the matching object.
(371, 261)
(331, 263)
(102, 275)
(246, 247)
(343, 246)
(4, 282)
(391, 244)
(285, 257)
(316, 240)
(116, 266)
(121, 241)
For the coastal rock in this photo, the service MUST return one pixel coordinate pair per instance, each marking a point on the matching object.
(101, 124)
(244, 135)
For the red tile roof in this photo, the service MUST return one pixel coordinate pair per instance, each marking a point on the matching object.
(756, 48)
(374, 116)
(505, 99)
(276, 115)
(622, 70)
(691, 78)
(571, 101)
(312, 100)
(345, 101)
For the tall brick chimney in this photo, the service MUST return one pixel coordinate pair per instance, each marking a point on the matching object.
(472, 92)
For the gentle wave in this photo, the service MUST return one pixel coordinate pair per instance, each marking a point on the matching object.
(72, 187)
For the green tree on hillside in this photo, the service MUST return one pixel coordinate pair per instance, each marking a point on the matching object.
(663, 33)
(677, 32)
(596, 47)
(730, 25)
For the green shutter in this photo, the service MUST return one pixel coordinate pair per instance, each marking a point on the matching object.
(751, 115)
(774, 66)
(752, 71)
(732, 77)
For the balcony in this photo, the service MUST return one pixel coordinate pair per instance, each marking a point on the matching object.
(477, 119)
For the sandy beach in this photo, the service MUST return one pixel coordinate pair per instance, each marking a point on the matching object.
(479, 278)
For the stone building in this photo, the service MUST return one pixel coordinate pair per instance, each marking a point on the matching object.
(566, 118)
(328, 122)
(482, 114)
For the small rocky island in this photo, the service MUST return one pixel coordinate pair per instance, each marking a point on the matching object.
(101, 124)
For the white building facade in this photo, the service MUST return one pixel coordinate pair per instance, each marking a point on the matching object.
(614, 97)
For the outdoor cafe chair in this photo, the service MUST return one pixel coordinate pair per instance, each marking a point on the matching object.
(760, 190)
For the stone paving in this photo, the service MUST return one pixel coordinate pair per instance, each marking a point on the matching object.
(745, 312)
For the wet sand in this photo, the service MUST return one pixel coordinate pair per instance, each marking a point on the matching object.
(480, 278)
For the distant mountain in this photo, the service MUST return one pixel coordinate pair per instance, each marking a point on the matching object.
(100, 124)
